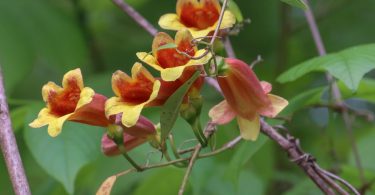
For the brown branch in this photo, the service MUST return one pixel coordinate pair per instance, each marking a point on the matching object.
(141, 21)
(291, 147)
(337, 97)
(9, 147)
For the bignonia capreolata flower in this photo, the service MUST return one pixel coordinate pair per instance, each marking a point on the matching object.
(246, 98)
(199, 16)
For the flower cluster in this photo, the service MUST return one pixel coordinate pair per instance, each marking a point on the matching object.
(177, 60)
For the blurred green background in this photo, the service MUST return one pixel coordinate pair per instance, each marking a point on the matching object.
(40, 40)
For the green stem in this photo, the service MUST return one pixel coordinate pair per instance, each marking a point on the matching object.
(128, 158)
(198, 132)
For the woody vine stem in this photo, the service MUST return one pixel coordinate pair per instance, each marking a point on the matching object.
(9, 147)
(325, 180)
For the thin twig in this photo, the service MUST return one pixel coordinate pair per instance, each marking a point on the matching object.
(347, 184)
(141, 21)
(335, 90)
(189, 169)
(228, 47)
(9, 147)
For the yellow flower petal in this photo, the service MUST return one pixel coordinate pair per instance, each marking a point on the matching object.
(55, 126)
(170, 22)
(114, 106)
(85, 97)
(44, 118)
(222, 113)
(172, 74)
(160, 39)
(131, 113)
(228, 20)
(50, 87)
(184, 36)
(139, 70)
(74, 76)
(249, 128)
(201, 33)
(149, 59)
(278, 104)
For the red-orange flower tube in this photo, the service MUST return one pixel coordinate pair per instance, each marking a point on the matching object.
(245, 97)
(109, 147)
(72, 102)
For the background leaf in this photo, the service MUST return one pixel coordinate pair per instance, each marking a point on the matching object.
(63, 157)
(242, 155)
(172, 106)
(349, 65)
(165, 181)
(296, 3)
(36, 33)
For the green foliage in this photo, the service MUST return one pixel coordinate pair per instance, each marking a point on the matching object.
(296, 3)
(172, 106)
(18, 117)
(46, 36)
(63, 157)
(365, 147)
(349, 65)
(165, 181)
(242, 155)
(233, 7)
(306, 98)
(365, 91)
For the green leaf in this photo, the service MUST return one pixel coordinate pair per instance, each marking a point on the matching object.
(167, 46)
(242, 155)
(233, 7)
(52, 39)
(166, 181)
(365, 91)
(366, 147)
(64, 156)
(306, 98)
(172, 106)
(349, 65)
(350, 174)
(306, 187)
(17, 116)
(296, 3)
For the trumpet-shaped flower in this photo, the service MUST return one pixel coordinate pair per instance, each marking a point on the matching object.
(110, 148)
(72, 102)
(199, 16)
(132, 94)
(171, 62)
(245, 98)
(134, 136)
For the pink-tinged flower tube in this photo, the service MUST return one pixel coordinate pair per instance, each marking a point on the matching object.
(199, 16)
(134, 136)
(132, 94)
(72, 102)
(172, 62)
(245, 98)
(109, 147)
